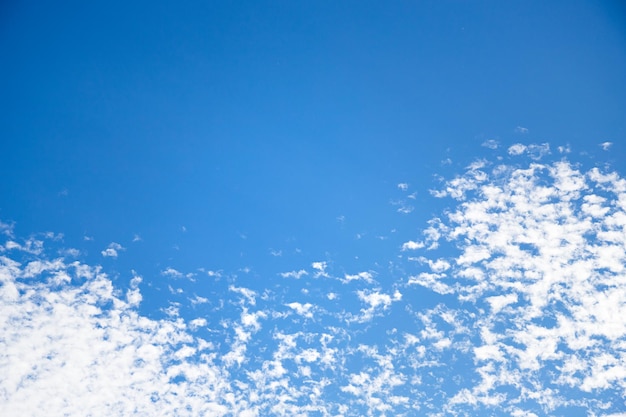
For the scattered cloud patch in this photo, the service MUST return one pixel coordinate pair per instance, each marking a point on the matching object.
(403, 207)
(320, 269)
(513, 304)
(564, 149)
(539, 247)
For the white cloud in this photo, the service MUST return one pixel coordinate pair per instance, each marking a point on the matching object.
(564, 149)
(6, 229)
(412, 245)
(520, 129)
(376, 302)
(534, 151)
(517, 149)
(540, 244)
(248, 294)
(320, 269)
(304, 310)
(403, 186)
(432, 281)
(320, 266)
(172, 273)
(491, 144)
(60, 346)
(405, 209)
(498, 302)
(112, 250)
(361, 276)
(294, 274)
(606, 145)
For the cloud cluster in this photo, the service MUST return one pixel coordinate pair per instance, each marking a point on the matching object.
(513, 304)
(541, 256)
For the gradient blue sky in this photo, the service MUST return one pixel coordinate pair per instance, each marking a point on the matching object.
(242, 141)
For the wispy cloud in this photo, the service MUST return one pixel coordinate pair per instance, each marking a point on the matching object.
(491, 144)
(6, 229)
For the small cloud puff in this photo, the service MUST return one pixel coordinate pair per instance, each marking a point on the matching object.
(320, 268)
(606, 145)
(521, 130)
(517, 149)
(412, 245)
(172, 273)
(112, 250)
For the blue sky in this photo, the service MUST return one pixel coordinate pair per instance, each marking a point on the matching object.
(313, 208)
